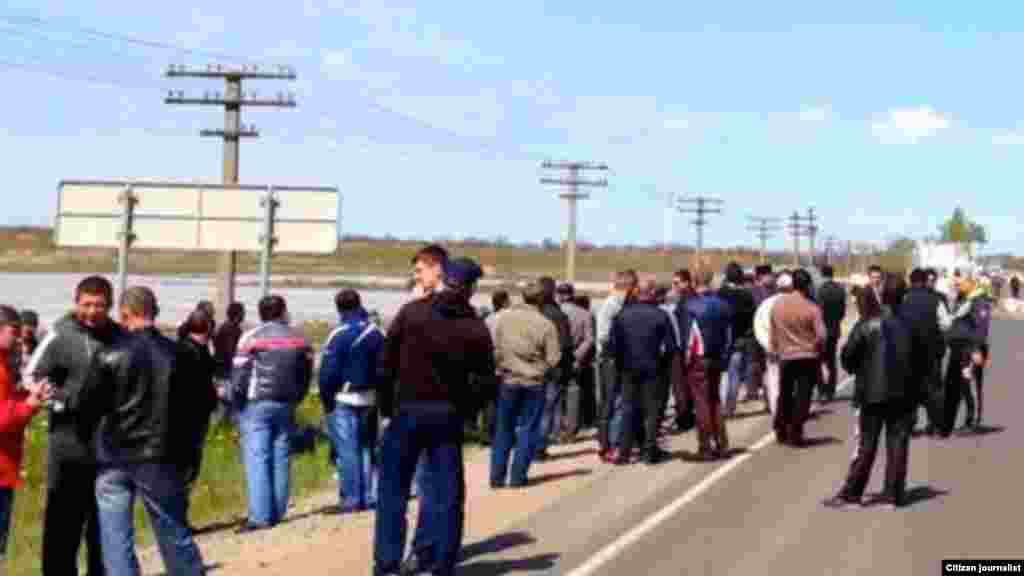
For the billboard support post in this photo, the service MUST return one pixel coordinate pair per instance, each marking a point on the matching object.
(125, 237)
(269, 204)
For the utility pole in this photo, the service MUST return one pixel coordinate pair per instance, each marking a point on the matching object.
(765, 227)
(701, 206)
(233, 99)
(812, 232)
(796, 230)
(573, 195)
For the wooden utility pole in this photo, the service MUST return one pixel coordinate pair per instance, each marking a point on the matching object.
(232, 100)
(573, 194)
(765, 227)
(701, 206)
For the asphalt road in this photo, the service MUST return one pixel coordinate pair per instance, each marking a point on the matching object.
(761, 512)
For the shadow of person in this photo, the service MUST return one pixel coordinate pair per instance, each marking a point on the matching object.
(913, 496)
(556, 476)
(555, 456)
(819, 441)
(982, 430)
(529, 565)
(496, 544)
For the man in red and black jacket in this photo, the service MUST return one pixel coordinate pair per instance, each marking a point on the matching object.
(438, 364)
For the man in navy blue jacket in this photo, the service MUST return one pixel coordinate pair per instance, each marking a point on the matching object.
(348, 393)
(714, 319)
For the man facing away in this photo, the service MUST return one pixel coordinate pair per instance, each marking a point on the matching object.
(130, 404)
(64, 357)
(434, 346)
(607, 374)
(798, 336)
(714, 319)
(556, 387)
(832, 298)
(272, 374)
(742, 304)
(527, 351)
(642, 335)
(582, 331)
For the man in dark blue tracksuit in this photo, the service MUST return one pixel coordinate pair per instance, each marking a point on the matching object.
(641, 337)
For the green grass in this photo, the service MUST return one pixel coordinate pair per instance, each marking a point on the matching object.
(218, 496)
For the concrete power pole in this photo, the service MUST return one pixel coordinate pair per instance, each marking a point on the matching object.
(812, 233)
(765, 227)
(233, 99)
(701, 206)
(796, 230)
(573, 195)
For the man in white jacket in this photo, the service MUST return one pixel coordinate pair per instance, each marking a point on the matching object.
(763, 333)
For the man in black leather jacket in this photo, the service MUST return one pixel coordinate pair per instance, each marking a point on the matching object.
(126, 407)
(832, 298)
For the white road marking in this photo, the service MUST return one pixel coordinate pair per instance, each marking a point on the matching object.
(612, 550)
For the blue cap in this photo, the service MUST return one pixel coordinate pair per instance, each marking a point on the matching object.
(462, 272)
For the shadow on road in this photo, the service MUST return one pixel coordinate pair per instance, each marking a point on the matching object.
(819, 441)
(745, 415)
(688, 456)
(529, 565)
(914, 496)
(209, 568)
(819, 413)
(981, 431)
(556, 476)
(496, 544)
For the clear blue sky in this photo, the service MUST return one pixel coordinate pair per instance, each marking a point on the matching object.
(432, 118)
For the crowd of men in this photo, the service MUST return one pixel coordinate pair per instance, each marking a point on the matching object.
(129, 408)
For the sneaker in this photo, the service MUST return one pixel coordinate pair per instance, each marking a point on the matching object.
(841, 501)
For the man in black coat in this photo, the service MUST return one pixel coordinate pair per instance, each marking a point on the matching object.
(922, 309)
(551, 424)
(832, 299)
(641, 338)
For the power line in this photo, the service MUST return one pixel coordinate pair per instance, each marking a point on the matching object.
(765, 226)
(702, 207)
(572, 195)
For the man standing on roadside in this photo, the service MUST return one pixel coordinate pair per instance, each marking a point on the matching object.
(925, 315)
(64, 358)
(682, 290)
(556, 388)
(642, 336)
(714, 319)
(434, 346)
(798, 336)
(607, 374)
(582, 330)
(741, 302)
(832, 298)
(131, 404)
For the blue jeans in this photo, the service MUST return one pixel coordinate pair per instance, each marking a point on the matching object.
(163, 495)
(438, 435)
(265, 449)
(6, 512)
(740, 368)
(518, 420)
(351, 429)
(549, 425)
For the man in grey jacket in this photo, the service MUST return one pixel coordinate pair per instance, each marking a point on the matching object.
(582, 330)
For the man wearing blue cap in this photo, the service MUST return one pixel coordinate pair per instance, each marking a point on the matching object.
(436, 348)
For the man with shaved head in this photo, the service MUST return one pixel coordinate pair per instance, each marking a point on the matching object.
(641, 338)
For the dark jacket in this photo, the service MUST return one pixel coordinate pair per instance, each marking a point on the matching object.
(437, 352)
(225, 344)
(273, 362)
(192, 404)
(350, 357)
(641, 336)
(920, 310)
(832, 298)
(552, 312)
(878, 352)
(973, 327)
(64, 357)
(741, 302)
(714, 318)
(126, 402)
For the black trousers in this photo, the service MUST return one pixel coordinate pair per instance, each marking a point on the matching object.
(70, 512)
(932, 397)
(797, 381)
(588, 396)
(827, 388)
(608, 380)
(897, 419)
(954, 384)
(641, 398)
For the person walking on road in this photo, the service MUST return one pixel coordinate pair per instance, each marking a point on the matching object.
(17, 408)
(435, 345)
(134, 403)
(968, 354)
(609, 432)
(348, 394)
(63, 358)
(832, 298)
(527, 351)
(879, 354)
(271, 375)
(798, 337)
(714, 319)
(641, 338)
(925, 314)
(763, 333)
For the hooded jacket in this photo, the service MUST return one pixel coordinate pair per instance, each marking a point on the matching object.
(64, 357)
(437, 352)
(349, 360)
